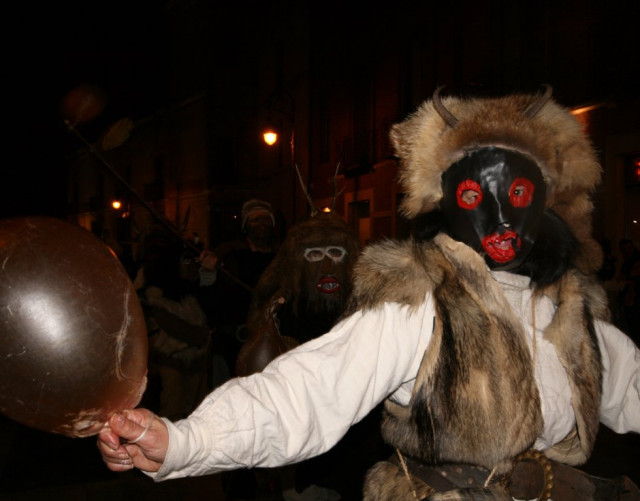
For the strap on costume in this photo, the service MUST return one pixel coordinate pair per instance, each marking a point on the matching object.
(533, 476)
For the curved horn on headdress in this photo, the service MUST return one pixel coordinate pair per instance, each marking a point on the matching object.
(534, 108)
(444, 113)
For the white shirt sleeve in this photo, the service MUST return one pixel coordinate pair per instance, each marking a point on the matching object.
(304, 401)
(620, 405)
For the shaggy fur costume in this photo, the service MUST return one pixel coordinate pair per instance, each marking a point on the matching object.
(285, 277)
(475, 399)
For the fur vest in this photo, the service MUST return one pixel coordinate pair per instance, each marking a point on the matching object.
(475, 399)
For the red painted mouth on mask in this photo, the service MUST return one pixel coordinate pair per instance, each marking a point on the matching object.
(500, 248)
(328, 284)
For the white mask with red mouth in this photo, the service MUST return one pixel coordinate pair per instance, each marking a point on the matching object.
(328, 283)
(493, 200)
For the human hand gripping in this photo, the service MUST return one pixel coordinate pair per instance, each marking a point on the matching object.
(134, 438)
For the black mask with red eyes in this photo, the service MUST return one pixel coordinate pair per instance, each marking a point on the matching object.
(493, 201)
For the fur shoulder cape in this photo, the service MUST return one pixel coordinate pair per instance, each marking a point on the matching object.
(475, 399)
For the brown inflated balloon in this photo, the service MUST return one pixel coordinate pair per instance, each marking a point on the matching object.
(73, 342)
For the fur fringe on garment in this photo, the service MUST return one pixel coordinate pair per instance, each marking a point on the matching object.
(391, 483)
(475, 399)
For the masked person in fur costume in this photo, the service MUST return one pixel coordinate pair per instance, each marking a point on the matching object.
(300, 296)
(302, 292)
(486, 334)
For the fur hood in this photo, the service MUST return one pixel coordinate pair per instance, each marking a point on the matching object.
(442, 131)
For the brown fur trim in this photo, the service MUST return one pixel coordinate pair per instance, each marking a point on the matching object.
(476, 400)
(579, 300)
(377, 281)
(481, 394)
(387, 482)
(427, 146)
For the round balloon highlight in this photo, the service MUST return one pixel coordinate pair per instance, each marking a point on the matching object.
(73, 341)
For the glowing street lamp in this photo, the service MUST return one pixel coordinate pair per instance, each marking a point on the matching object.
(120, 207)
(270, 137)
(282, 104)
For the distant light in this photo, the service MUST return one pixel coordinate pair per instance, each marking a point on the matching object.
(586, 108)
(270, 137)
(583, 109)
(116, 204)
(326, 209)
(635, 221)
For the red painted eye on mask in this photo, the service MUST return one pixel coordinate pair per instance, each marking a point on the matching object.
(468, 194)
(521, 192)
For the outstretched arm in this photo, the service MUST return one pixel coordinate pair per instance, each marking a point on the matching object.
(305, 400)
(298, 407)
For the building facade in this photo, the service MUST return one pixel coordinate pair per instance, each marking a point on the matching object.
(331, 78)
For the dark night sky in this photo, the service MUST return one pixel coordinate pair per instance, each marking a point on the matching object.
(47, 50)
